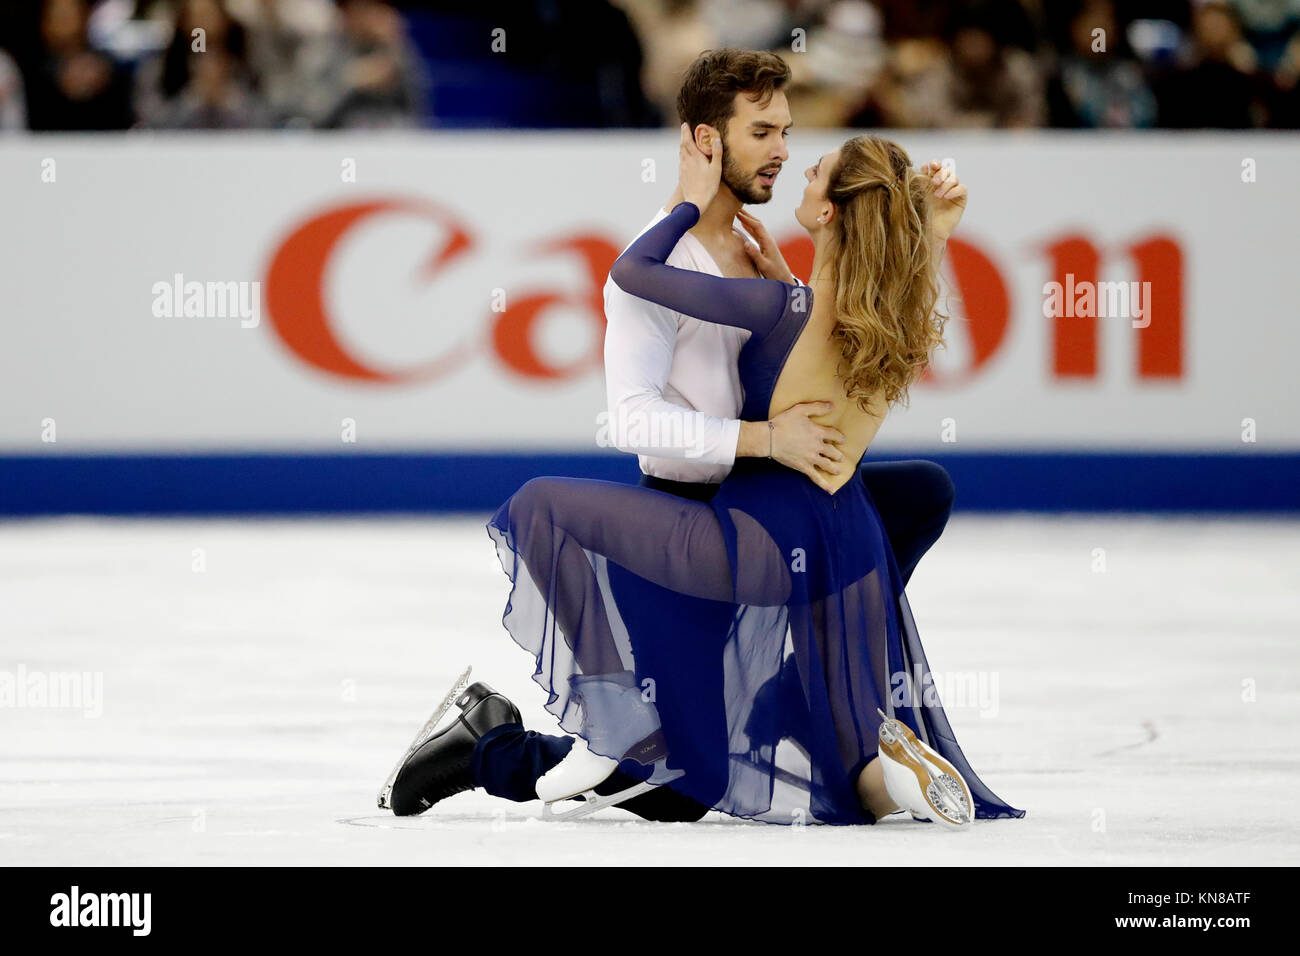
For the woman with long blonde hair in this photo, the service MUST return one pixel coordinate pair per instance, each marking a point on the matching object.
(804, 566)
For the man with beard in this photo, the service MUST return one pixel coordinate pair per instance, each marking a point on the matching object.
(674, 396)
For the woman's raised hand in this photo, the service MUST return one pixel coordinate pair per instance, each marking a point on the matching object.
(949, 197)
(766, 255)
(699, 175)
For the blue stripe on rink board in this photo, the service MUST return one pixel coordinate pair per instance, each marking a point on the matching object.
(286, 484)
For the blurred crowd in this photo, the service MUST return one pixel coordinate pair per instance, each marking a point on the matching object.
(329, 64)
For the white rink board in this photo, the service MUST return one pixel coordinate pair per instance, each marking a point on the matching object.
(82, 255)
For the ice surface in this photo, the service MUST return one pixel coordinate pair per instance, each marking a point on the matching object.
(1144, 714)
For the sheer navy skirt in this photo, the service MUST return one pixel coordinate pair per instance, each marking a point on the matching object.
(737, 649)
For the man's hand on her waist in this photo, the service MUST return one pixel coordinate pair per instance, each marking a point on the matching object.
(796, 441)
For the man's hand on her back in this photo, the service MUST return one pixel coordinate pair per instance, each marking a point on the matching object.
(796, 441)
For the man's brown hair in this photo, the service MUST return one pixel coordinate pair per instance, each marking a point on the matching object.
(708, 93)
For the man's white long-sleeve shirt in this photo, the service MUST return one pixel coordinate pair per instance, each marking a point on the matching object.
(672, 381)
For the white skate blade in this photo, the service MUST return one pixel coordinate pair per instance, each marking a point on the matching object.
(578, 772)
(593, 803)
(425, 733)
(920, 781)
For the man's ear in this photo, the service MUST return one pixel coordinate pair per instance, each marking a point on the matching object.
(701, 136)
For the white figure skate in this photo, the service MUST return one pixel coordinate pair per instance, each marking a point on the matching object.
(578, 772)
(608, 701)
(919, 780)
(576, 776)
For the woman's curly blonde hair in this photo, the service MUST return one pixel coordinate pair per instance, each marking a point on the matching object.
(886, 270)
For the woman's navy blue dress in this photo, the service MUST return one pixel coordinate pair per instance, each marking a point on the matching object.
(770, 717)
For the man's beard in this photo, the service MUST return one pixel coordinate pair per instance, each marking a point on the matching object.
(745, 188)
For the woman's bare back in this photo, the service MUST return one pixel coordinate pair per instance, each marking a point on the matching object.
(810, 374)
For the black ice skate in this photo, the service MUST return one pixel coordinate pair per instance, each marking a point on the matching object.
(437, 764)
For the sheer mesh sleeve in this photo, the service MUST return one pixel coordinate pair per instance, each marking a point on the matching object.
(753, 304)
